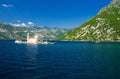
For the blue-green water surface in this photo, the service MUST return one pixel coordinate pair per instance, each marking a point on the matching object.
(62, 60)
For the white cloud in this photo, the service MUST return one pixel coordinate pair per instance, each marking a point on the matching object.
(7, 5)
(23, 24)
(15, 25)
(30, 23)
(19, 25)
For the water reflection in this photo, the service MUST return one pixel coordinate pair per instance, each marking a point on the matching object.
(31, 52)
(30, 60)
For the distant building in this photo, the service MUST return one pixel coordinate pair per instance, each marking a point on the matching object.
(32, 39)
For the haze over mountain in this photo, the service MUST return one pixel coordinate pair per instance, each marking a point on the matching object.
(12, 32)
(105, 26)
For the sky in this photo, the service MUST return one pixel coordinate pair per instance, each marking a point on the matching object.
(51, 13)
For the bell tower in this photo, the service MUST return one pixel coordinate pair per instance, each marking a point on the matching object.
(27, 37)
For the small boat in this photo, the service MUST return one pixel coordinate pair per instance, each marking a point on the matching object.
(45, 42)
(18, 41)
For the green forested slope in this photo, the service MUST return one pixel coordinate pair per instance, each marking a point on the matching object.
(105, 26)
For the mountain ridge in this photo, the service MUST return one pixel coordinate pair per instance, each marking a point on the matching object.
(105, 26)
(9, 32)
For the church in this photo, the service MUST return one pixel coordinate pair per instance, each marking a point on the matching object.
(32, 39)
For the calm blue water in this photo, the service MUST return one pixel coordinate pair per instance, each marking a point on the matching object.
(63, 60)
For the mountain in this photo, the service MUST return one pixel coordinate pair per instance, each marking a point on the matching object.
(105, 26)
(10, 32)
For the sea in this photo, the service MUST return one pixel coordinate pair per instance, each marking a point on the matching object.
(62, 60)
